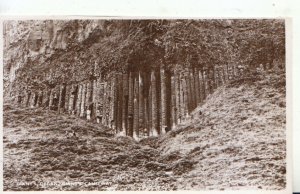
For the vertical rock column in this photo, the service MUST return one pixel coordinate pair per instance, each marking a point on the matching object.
(38, 99)
(185, 96)
(61, 87)
(88, 95)
(125, 103)
(163, 101)
(51, 94)
(101, 100)
(32, 99)
(119, 104)
(202, 85)
(221, 75)
(79, 99)
(112, 109)
(130, 104)
(104, 103)
(215, 77)
(168, 101)
(154, 124)
(136, 108)
(181, 98)
(67, 98)
(173, 102)
(83, 100)
(93, 98)
(205, 83)
(71, 99)
(96, 95)
(177, 97)
(141, 103)
(45, 100)
(197, 87)
(192, 90)
(225, 72)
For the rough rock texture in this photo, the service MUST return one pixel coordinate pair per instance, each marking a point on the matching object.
(30, 44)
(236, 140)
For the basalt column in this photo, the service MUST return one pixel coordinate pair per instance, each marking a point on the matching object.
(33, 99)
(36, 100)
(163, 101)
(79, 99)
(225, 72)
(154, 108)
(136, 108)
(173, 102)
(51, 94)
(141, 103)
(88, 95)
(29, 93)
(67, 98)
(197, 86)
(61, 99)
(168, 101)
(130, 104)
(40, 98)
(214, 77)
(205, 83)
(93, 98)
(177, 97)
(188, 92)
(185, 96)
(192, 90)
(60, 91)
(96, 94)
(106, 104)
(125, 103)
(210, 80)
(83, 98)
(113, 95)
(222, 75)
(71, 99)
(56, 98)
(202, 85)
(46, 96)
(101, 99)
(119, 102)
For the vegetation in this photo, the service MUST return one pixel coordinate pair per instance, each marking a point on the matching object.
(121, 45)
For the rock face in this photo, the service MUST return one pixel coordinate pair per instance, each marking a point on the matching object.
(28, 43)
(74, 88)
(148, 98)
(69, 67)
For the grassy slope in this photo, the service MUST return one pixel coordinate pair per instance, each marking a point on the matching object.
(239, 140)
(36, 149)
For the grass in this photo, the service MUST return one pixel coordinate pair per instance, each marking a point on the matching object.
(238, 142)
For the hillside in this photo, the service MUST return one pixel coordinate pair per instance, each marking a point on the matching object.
(239, 139)
(235, 140)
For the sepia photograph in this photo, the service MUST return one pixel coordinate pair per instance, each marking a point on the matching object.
(144, 104)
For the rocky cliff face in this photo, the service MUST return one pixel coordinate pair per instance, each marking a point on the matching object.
(29, 44)
(138, 77)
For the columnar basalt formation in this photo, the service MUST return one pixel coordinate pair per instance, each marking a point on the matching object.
(133, 103)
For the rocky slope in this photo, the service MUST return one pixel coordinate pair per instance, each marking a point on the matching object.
(235, 140)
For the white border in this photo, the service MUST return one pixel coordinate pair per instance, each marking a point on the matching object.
(178, 9)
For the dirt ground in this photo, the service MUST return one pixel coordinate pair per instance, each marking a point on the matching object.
(236, 140)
